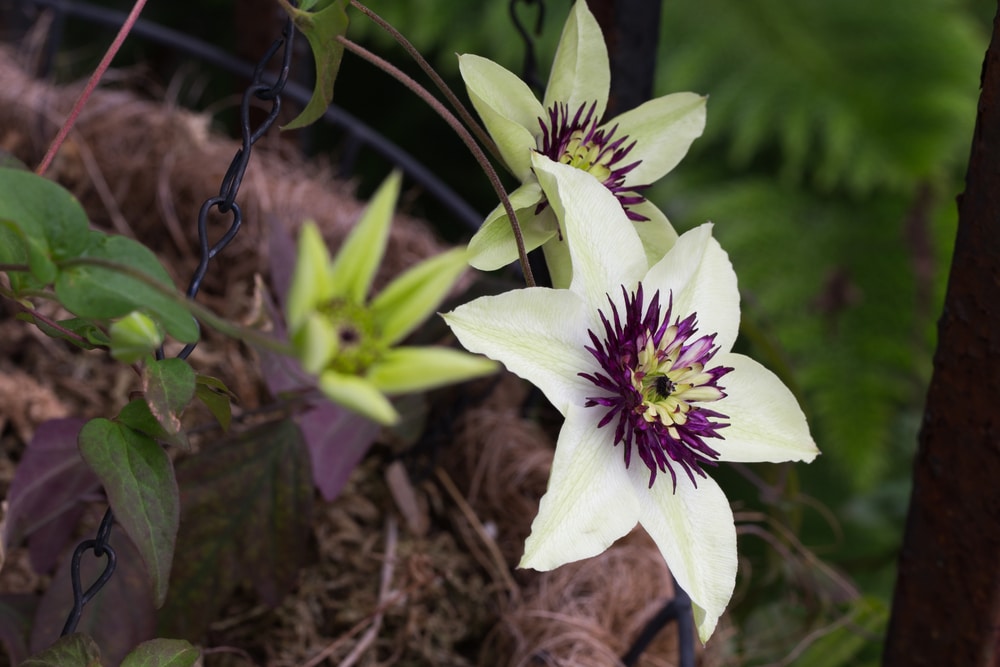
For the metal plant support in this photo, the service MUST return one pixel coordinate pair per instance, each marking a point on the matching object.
(225, 202)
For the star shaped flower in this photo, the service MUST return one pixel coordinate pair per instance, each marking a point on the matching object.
(350, 343)
(637, 359)
(626, 154)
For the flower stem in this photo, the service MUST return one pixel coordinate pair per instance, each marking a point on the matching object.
(95, 78)
(463, 134)
(463, 113)
(201, 313)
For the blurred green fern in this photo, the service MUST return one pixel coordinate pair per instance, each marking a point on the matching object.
(853, 96)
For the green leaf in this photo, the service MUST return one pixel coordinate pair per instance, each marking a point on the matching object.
(47, 220)
(137, 416)
(103, 293)
(247, 503)
(162, 653)
(216, 396)
(321, 28)
(139, 480)
(76, 650)
(169, 386)
(93, 335)
(865, 620)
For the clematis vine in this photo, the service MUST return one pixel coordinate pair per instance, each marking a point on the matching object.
(625, 154)
(350, 343)
(636, 356)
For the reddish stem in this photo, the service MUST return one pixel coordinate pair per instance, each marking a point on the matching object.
(95, 78)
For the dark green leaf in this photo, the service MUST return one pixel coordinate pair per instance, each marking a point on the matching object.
(169, 386)
(321, 28)
(76, 650)
(217, 398)
(136, 415)
(92, 334)
(102, 293)
(162, 653)
(246, 505)
(49, 221)
(863, 623)
(139, 480)
(16, 612)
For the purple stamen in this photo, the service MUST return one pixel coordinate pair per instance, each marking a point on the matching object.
(638, 362)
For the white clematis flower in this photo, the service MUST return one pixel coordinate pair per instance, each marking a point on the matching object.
(626, 154)
(637, 358)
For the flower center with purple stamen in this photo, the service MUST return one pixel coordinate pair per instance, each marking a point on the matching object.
(578, 142)
(656, 377)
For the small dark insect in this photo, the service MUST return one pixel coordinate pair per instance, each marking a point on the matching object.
(664, 386)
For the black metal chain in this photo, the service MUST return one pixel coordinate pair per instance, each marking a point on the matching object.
(677, 608)
(225, 201)
(101, 547)
(529, 73)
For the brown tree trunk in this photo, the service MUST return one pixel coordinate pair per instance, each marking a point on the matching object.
(632, 31)
(946, 609)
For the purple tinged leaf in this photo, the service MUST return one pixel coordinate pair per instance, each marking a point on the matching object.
(281, 256)
(246, 506)
(119, 617)
(162, 653)
(337, 440)
(139, 479)
(48, 543)
(49, 481)
(16, 612)
(76, 650)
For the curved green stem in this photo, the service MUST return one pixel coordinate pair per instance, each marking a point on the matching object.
(198, 311)
(463, 134)
(463, 113)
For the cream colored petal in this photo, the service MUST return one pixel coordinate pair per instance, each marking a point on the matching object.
(663, 130)
(766, 422)
(493, 247)
(508, 108)
(580, 71)
(403, 370)
(590, 501)
(537, 333)
(657, 234)
(698, 272)
(695, 532)
(604, 247)
(359, 395)
(558, 262)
